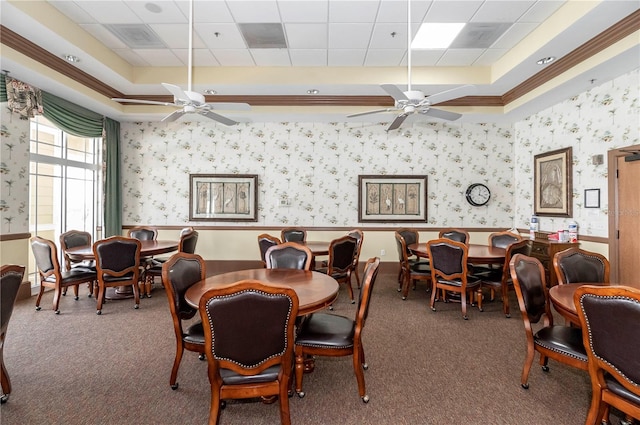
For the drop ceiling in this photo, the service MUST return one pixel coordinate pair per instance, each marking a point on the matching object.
(343, 49)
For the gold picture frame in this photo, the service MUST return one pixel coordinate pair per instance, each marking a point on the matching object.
(553, 177)
(389, 199)
(223, 197)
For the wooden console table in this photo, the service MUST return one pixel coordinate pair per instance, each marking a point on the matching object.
(544, 250)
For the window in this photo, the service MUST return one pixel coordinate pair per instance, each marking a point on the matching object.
(64, 183)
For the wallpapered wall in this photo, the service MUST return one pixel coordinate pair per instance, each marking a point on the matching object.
(592, 123)
(14, 172)
(316, 166)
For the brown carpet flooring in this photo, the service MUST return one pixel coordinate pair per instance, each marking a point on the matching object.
(424, 368)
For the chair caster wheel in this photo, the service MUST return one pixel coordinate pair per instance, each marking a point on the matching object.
(136, 306)
(38, 308)
(465, 317)
(433, 309)
(223, 404)
(507, 316)
(57, 311)
(353, 301)
(76, 298)
(404, 298)
(545, 368)
(174, 386)
(4, 398)
(399, 289)
(525, 386)
(365, 366)
(301, 394)
(365, 399)
(331, 307)
(99, 312)
(201, 356)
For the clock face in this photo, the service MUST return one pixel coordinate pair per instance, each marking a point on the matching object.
(478, 194)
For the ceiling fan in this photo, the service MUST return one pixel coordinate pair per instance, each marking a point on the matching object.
(188, 101)
(415, 101)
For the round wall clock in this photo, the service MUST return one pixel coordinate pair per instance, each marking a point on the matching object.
(478, 194)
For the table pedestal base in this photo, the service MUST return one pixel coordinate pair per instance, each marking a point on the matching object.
(119, 293)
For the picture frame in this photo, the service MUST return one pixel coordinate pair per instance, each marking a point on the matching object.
(553, 178)
(391, 199)
(223, 197)
(592, 198)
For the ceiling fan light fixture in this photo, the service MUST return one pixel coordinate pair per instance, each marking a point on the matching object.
(433, 35)
(546, 60)
(71, 58)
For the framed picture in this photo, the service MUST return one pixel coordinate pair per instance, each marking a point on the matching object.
(223, 197)
(592, 198)
(552, 178)
(387, 199)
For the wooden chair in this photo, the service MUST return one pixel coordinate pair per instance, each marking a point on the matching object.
(10, 280)
(323, 334)
(289, 255)
(266, 241)
(118, 264)
(179, 273)
(561, 343)
(249, 355)
(410, 272)
(293, 234)
(575, 265)
(187, 244)
(502, 281)
(453, 234)
(51, 275)
(609, 317)
(143, 233)
(497, 240)
(342, 252)
(410, 237)
(449, 273)
(73, 239)
(503, 239)
(359, 237)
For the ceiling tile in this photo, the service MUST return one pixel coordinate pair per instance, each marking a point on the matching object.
(349, 36)
(347, 57)
(208, 11)
(131, 57)
(501, 11)
(459, 57)
(176, 36)
(233, 57)
(384, 57)
(159, 57)
(396, 11)
(73, 12)
(229, 37)
(424, 57)
(489, 57)
(254, 11)
(308, 57)
(353, 11)
(271, 57)
(452, 11)
(304, 10)
(110, 12)
(541, 10)
(513, 35)
(104, 35)
(169, 12)
(306, 36)
(201, 57)
(382, 38)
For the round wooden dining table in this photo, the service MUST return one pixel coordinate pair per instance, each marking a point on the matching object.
(476, 254)
(315, 290)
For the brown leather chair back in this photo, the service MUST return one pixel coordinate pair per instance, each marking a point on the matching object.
(143, 233)
(575, 265)
(117, 257)
(341, 255)
(266, 241)
(529, 282)
(46, 256)
(179, 273)
(448, 258)
(10, 280)
(188, 241)
(503, 239)
(457, 235)
(289, 255)
(292, 234)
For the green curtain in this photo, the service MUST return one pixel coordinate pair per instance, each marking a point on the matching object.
(72, 118)
(112, 193)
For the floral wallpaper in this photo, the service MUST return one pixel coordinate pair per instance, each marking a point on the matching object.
(316, 167)
(592, 123)
(14, 172)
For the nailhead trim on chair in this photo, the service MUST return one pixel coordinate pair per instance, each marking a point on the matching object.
(259, 292)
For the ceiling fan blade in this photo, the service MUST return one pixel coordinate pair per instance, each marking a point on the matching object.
(217, 117)
(443, 96)
(176, 91)
(397, 122)
(439, 113)
(173, 116)
(394, 92)
(369, 112)
(228, 106)
(142, 102)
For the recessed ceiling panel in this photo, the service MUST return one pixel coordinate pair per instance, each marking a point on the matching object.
(136, 36)
(263, 35)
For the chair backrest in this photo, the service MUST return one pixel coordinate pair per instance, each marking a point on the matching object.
(117, 256)
(72, 239)
(248, 343)
(575, 265)
(521, 247)
(143, 233)
(293, 234)
(266, 241)
(359, 237)
(179, 273)
(529, 282)
(11, 276)
(403, 256)
(410, 236)
(369, 279)
(341, 254)
(448, 259)
(609, 316)
(288, 255)
(186, 230)
(46, 256)
(503, 239)
(457, 235)
(188, 241)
